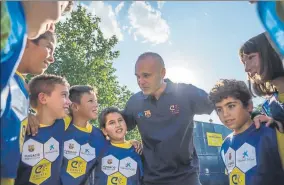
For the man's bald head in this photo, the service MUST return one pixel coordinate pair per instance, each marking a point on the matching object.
(150, 72)
(157, 59)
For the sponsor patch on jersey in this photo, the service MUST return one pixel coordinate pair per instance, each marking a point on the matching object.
(76, 167)
(109, 164)
(87, 152)
(116, 179)
(246, 157)
(237, 177)
(71, 149)
(230, 159)
(32, 152)
(127, 167)
(51, 149)
(40, 172)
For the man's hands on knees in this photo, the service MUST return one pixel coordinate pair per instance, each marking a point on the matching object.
(33, 125)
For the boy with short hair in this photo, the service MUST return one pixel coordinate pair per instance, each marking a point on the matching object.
(119, 163)
(82, 141)
(37, 56)
(251, 156)
(42, 154)
(23, 19)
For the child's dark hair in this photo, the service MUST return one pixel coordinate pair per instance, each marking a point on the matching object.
(271, 65)
(44, 83)
(105, 112)
(48, 35)
(225, 88)
(76, 92)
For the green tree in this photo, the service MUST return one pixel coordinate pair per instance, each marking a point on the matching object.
(84, 56)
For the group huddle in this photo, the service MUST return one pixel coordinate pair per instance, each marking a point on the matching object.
(47, 137)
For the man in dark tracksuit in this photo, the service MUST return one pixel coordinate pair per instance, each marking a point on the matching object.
(163, 112)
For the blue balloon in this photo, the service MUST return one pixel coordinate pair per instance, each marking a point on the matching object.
(273, 22)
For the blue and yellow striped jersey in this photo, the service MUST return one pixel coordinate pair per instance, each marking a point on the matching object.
(82, 146)
(253, 157)
(13, 127)
(42, 155)
(119, 164)
(12, 52)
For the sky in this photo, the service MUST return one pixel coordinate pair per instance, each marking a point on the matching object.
(199, 41)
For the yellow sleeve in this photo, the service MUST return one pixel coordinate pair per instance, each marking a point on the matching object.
(7, 181)
(280, 141)
(67, 121)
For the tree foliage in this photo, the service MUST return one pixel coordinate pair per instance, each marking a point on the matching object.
(258, 108)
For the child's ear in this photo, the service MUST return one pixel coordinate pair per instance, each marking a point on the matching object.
(74, 107)
(250, 106)
(42, 98)
(104, 131)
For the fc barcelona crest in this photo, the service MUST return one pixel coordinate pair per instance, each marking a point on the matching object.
(109, 161)
(31, 148)
(147, 113)
(71, 146)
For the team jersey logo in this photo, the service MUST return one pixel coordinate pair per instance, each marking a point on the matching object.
(31, 148)
(51, 149)
(237, 177)
(147, 113)
(78, 157)
(110, 164)
(116, 179)
(230, 160)
(71, 146)
(118, 170)
(71, 149)
(140, 115)
(41, 172)
(109, 161)
(32, 152)
(239, 162)
(76, 167)
(127, 167)
(246, 157)
(174, 109)
(87, 152)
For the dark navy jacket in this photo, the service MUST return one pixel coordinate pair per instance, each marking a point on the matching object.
(166, 127)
